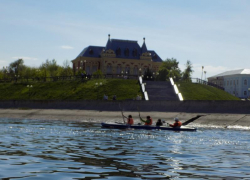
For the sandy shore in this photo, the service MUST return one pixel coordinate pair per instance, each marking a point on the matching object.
(93, 116)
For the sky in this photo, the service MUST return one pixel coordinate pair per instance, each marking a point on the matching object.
(210, 33)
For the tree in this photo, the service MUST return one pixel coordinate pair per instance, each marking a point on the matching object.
(17, 67)
(186, 76)
(169, 68)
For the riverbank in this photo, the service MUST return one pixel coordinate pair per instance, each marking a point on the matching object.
(94, 116)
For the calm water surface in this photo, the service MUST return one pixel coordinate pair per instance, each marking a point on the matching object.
(32, 149)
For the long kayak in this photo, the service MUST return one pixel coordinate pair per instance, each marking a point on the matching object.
(125, 126)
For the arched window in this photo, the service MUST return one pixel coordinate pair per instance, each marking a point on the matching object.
(127, 70)
(134, 53)
(118, 69)
(126, 52)
(118, 51)
(109, 69)
(245, 82)
(135, 71)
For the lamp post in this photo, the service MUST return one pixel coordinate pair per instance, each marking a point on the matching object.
(29, 86)
(16, 76)
(205, 74)
(202, 67)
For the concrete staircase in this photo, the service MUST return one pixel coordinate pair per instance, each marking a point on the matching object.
(160, 91)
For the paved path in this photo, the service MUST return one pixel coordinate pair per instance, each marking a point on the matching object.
(92, 116)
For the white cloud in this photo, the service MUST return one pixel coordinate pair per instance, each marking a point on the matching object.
(67, 47)
(24, 58)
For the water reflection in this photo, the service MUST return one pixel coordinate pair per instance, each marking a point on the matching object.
(69, 150)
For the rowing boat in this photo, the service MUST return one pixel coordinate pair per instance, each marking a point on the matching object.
(125, 126)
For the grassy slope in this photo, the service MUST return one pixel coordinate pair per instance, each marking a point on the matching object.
(192, 91)
(71, 90)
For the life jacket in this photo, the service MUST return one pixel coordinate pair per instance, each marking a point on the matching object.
(176, 124)
(130, 121)
(150, 122)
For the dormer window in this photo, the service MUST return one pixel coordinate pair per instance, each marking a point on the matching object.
(134, 53)
(118, 52)
(91, 52)
(154, 56)
(126, 52)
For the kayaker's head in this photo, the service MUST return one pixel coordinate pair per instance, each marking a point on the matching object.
(176, 119)
(159, 120)
(129, 116)
(148, 117)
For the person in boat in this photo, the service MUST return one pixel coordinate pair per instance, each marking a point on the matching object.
(159, 123)
(177, 123)
(130, 120)
(148, 121)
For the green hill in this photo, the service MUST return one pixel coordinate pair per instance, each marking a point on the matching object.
(71, 90)
(193, 91)
(88, 90)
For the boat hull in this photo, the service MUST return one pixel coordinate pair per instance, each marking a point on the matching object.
(125, 126)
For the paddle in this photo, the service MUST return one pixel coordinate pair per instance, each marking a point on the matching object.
(234, 122)
(122, 113)
(139, 112)
(191, 120)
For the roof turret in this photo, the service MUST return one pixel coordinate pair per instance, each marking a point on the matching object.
(144, 47)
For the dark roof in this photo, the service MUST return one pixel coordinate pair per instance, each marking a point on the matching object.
(144, 48)
(126, 49)
(91, 51)
(155, 56)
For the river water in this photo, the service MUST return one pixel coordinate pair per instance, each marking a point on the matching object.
(32, 149)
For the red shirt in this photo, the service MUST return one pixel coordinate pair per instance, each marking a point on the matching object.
(176, 124)
(130, 121)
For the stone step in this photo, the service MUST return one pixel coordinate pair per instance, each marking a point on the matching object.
(160, 90)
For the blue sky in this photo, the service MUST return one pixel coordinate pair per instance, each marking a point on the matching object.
(214, 34)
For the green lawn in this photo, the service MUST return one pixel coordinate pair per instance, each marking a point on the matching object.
(71, 90)
(193, 91)
(88, 90)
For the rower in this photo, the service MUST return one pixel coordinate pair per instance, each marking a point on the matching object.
(148, 121)
(159, 122)
(177, 123)
(130, 120)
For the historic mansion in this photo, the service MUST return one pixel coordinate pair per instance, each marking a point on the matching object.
(117, 57)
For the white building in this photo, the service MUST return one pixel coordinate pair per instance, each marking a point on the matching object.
(236, 82)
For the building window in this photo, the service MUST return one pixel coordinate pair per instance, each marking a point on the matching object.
(88, 70)
(91, 52)
(245, 93)
(135, 70)
(227, 82)
(230, 82)
(234, 82)
(126, 52)
(237, 82)
(109, 69)
(127, 70)
(118, 52)
(245, 82)
(94, 69)
(134, 53)
(119, 69)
